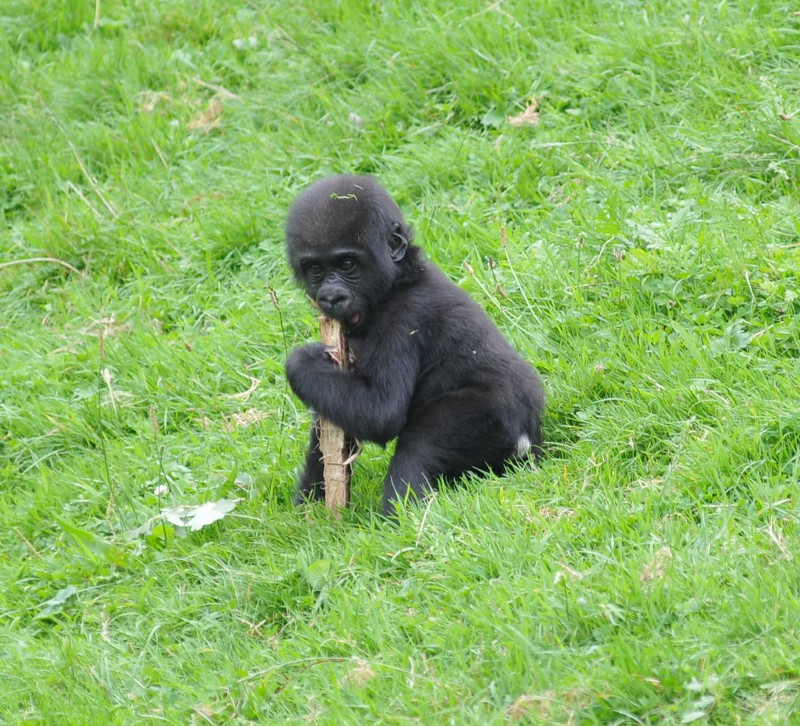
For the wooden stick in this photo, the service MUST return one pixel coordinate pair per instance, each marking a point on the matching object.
(333, 443)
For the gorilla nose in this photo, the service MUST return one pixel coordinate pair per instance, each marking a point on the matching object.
(332, 301)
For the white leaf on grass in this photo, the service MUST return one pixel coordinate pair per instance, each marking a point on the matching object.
(210, 512)
(199, 516)
(176, 515)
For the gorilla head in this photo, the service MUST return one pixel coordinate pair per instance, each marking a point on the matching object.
(347, 243)
(430, 368)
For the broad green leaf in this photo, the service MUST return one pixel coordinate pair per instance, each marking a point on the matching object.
(94, 546)
(318, 574)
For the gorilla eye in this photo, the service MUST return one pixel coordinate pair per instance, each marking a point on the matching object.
(347, 264)
(313, 270)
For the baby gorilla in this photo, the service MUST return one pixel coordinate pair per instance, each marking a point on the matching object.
(430, 368)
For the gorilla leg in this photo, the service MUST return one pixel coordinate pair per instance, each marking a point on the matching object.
(410, 474)
(311, 482)
(457, 433)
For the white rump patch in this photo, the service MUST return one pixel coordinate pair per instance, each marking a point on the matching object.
(523, 445)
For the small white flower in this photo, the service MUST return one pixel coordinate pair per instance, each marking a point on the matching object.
(160, 490)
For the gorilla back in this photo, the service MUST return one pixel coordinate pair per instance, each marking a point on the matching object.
(430, 368)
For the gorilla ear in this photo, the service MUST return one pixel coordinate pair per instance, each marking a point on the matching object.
(398, 244)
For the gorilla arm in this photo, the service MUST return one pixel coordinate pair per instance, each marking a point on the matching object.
(369, 402)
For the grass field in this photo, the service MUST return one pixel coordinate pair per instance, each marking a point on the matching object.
(615, 181)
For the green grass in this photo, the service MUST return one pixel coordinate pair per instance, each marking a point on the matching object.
(645, 572)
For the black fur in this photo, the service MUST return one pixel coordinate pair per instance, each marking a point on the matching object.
(431, 369)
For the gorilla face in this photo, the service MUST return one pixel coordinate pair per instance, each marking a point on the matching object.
(336, 283)
(345, 239)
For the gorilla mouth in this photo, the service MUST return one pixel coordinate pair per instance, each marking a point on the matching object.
(354, 320)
